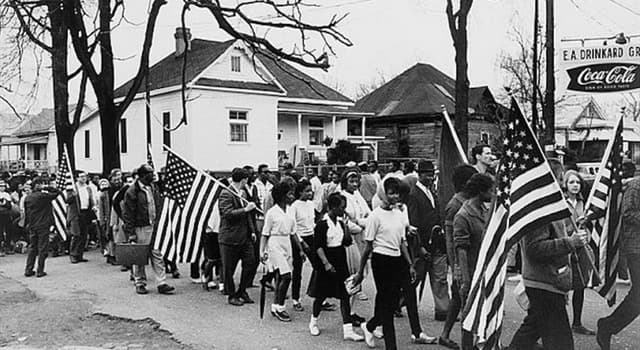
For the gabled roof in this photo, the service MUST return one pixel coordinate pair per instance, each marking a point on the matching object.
(35, 124)
(581, 113)
(42, 122)
(420, 90)
(168, 72)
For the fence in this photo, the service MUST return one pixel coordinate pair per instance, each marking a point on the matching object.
(17, 165)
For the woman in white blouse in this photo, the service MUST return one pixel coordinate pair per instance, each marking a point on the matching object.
(275, 246)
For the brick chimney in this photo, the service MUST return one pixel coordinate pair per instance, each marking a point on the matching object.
(180, 44)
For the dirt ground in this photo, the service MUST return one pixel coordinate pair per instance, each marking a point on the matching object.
(29, 322)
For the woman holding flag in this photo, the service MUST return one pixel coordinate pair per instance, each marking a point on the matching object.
(573, 184)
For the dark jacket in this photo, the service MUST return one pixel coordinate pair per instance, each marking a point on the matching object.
(425, 217)
(545, 258)
(469, 225)
(135, 211)
(38, 210)
(236, 226)
(631, 218)
(73, 215)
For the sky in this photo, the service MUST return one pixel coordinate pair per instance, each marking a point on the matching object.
(388, 36)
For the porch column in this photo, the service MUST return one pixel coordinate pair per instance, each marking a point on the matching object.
(299, 130)
(333, 120)
(364, 121)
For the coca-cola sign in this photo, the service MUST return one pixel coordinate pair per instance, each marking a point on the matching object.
(604, 77)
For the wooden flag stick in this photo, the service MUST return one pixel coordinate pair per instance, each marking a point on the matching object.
(454, 134)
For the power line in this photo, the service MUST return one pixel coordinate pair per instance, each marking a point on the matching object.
(625, 7)
(591, 16)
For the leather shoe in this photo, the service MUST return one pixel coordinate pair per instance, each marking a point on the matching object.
(74, 260)
(165, 289)
(235, 301)
(29, 273)
(141, 290)
(246, 299)
(82, 260)
(603, 339)
(41, 274)
(448, 343)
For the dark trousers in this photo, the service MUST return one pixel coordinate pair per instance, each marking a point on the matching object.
(408, 292)
(388, 272)
(38, 247)
(547, 319)
(231, 254)
(77, 244)
(629, 309)
(454, 309)
(296, 274)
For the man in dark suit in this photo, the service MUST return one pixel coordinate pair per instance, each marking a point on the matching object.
(236, 237)
(429, 244)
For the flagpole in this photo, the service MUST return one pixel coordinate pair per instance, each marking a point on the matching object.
(214, 179)
(454, 134)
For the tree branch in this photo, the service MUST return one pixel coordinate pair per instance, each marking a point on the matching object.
(80, 104)
(144, 58)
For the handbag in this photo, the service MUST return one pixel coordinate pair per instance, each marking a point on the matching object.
(128, 254)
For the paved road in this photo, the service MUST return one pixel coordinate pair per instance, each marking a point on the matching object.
(205, 321)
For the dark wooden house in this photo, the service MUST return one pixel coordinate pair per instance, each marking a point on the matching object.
(408, 114)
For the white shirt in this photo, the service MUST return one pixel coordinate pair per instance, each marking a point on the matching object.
(316, 187)
(263, 191)
(303, 212)
(427, 192)
(387, 230)
(335, 234)
(214, 219)
(357, 210)
(83, 194)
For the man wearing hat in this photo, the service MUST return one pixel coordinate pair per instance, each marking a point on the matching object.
(140, 215)
(237, 236)
(429, 245)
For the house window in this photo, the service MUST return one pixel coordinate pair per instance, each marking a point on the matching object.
(238, 126)
(316, 132)
(166, 134)
(87, 143)
(235, 63)
(123, 135)
(403, 141)
(484, 137)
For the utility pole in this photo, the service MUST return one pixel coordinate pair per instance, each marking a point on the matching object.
(534, 95)
(549, 101)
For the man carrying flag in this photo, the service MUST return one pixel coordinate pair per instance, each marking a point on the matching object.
(529, 204)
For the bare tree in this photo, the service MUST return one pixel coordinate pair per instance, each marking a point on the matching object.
(458, 28)
(367, 87)
(42, 24)
(632, 102)
(275, 16)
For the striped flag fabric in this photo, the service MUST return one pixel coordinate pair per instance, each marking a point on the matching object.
(64, 179)
(149, 156)
(604, 204)
(528, 196)
(190, 196)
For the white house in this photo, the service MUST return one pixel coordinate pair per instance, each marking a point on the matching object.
(238, 113)
(33, 143)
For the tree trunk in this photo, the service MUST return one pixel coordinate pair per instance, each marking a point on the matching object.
(59, 38)
(109, 131)
(462, 83)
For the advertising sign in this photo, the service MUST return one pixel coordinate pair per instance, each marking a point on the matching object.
(600, 69)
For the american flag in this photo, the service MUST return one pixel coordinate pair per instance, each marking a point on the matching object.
(605, 204)
(190, 197)
(149, 156)
(528, 196)
(64, 179)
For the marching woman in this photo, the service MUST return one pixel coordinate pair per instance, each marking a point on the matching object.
(303, 212)
(330, 239)
(275, 246)
(580, 272)
(385, 237)
(357, 212)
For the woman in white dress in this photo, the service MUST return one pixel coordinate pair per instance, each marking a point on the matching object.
(275, 246)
